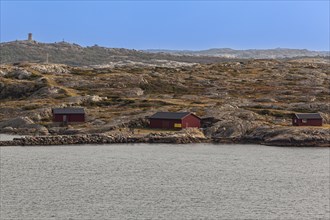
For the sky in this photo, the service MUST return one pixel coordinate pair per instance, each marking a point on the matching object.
(184, 25)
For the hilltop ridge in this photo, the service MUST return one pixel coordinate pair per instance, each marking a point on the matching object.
(76, 55)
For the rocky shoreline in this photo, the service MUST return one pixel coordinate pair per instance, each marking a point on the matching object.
(100, 139)
(285, 141)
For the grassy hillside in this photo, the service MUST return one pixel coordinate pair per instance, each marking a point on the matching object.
(271, 89)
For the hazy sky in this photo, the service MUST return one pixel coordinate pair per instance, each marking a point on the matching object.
(171, 24)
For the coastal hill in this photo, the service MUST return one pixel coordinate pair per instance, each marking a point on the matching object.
(249, 101)
(76, 55)
(277, 53)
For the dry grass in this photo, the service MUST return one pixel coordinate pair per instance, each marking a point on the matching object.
(167, 89)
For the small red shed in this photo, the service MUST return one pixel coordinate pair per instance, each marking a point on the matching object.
(307, 119)
(68, 115)
(174, 120)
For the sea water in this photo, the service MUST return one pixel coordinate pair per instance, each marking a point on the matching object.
(8, 137)
(161, 181)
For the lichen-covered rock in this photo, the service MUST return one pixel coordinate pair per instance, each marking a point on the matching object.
(23, 125)
(98, 122)
(18, 89)
(47, 92)
(16, 122)
(290, 136)
(40, 114)
(87, 99)
(7, 129)
(20, 74)
(230, 122)
(51, 68)
(3, 73)
(133, 92)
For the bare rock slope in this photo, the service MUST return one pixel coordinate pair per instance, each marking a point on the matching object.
(250, 101)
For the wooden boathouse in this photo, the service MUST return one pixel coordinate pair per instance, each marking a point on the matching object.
(174, 120)
(68, 115)
(307, 119)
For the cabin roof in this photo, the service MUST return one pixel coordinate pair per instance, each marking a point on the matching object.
(170, 115)
(68, 110)
(308, 115)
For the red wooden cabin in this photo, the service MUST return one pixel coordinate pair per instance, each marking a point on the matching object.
(68, 115)
(307, 119)
(174, 120)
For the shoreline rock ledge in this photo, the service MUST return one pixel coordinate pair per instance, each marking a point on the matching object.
(102, 139)
(277, 140)
(290, 137)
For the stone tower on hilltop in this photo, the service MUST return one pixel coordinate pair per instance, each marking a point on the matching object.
(30, 37)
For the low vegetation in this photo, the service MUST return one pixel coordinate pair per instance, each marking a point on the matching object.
(268, 91)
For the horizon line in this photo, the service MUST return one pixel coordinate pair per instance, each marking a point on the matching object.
(179, 50)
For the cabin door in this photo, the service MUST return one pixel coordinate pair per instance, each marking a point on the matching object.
(65, 119)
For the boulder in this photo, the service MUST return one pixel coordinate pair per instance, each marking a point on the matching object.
(8, 129)
(56, 130)
(23, 125)
(133, 92)
(40, 114)
(2, 73)
(98, 122)
(37, 129)
(16, 122)
(94, 98)
(230, 122)
(78, 100)
(47, 92)
(51, 68)
(18, 89)
(20, 74)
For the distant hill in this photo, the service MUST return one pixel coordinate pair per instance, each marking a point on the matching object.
(62, 52)
(278, 53)
(74, 54)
